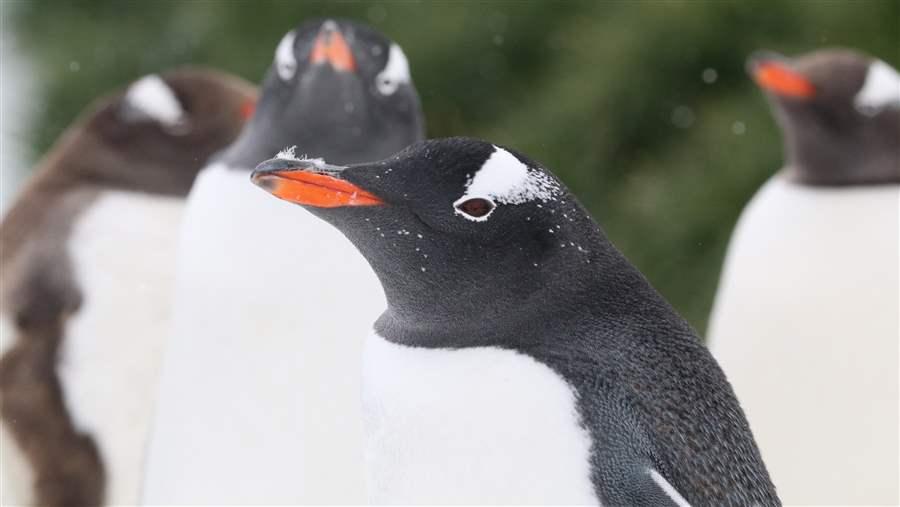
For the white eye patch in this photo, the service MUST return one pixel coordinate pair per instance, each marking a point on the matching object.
(285, 61)
(881, 89)
(151, 98)
(503, 179)
(396, 72)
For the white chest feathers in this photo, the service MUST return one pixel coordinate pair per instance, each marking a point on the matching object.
(479, 425)
(123, 251)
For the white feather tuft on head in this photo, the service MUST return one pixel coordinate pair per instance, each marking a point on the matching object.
(291, 154)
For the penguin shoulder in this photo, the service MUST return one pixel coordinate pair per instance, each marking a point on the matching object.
(663, 418)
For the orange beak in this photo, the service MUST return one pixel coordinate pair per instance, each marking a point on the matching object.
(331, 47)
(781, 80)
(247, 109)
(319, 190)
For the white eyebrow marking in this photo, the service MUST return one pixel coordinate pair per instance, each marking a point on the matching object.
(881, 89)
(285, 61)
(504, 179)
(668, 488)
(395, 72)
(397, 67)
(153, 98)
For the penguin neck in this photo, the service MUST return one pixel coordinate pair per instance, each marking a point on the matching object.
(573, 290)
(816, 157)
(807, 166)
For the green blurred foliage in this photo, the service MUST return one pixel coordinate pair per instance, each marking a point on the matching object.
(610, 95)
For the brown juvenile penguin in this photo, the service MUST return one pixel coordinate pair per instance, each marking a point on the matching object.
(86, 254)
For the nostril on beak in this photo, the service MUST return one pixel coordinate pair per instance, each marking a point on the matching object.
(328, 27)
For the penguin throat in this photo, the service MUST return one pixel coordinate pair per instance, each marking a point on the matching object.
(817, 156)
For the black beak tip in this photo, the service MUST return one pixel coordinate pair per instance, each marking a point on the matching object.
(262, 174)
(278, 164)
(263, 181)
(761, 56)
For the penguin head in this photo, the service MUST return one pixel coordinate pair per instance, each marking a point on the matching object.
(453, 227)
(839, 111)
(340, 89)
(159, 132)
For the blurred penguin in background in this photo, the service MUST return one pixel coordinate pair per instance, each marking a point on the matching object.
(805, 322)
(87, 254)
(260, 391)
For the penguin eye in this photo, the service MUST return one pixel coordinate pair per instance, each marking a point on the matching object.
(476, 208)
(386, 85)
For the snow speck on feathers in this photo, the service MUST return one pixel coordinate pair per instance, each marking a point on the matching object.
(152, 97)
(290, 153)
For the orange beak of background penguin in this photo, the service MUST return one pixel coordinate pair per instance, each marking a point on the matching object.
(781, 80)
(248, 107)
(331, 47)
(304, 186)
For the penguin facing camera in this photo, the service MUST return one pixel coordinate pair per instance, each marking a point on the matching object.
(259, 399)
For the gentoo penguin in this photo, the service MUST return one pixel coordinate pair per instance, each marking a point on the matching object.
(521, 358)
(87, 260)
(260, 390)
(805, 321)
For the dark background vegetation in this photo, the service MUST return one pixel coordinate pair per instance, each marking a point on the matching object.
(611, 95)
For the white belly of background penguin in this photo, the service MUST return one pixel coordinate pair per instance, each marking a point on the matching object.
(260, 395)
(234, 376)
(468, 407)
(798, 253)
(111, 338)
